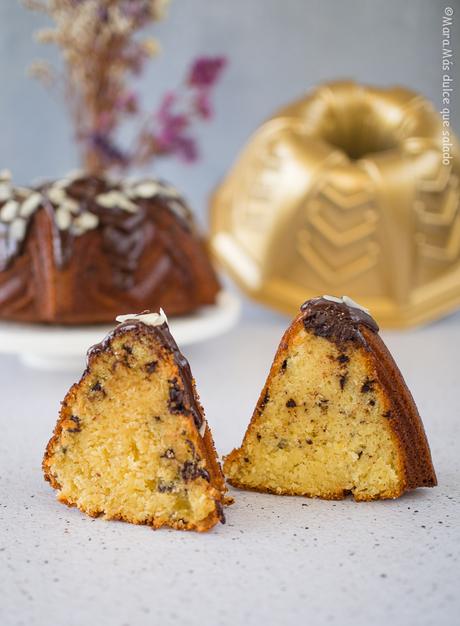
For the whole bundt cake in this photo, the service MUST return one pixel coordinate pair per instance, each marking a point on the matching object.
(132, 442)
(79, 250)
(335, 416)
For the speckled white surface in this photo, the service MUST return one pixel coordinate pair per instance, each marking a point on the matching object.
(277, 560)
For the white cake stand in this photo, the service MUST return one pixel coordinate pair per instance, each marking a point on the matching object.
(62, 347)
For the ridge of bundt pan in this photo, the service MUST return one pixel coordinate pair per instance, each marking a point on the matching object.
(83, 248)
(346, 190)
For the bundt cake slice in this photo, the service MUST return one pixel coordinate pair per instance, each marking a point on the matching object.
(335, 416)
(131, 442)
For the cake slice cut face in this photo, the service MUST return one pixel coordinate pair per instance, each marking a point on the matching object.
(335, 416)
(131, 442)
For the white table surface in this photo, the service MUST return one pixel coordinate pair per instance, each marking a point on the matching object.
(278, 560)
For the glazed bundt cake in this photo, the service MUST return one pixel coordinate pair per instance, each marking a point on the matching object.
(131, 442)
(335, 416)
(81, 249)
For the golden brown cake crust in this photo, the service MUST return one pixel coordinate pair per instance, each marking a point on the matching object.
(350, 327)
(190, 404)
(404, 419)
(88, 263)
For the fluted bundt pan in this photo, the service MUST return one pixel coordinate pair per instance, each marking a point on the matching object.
(346, 191)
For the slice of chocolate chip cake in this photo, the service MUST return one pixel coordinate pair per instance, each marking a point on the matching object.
(131, 442)
(335, 416)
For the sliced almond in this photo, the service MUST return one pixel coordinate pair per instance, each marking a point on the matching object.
(56, 195)
(116, 199)
(178, 209)
(69, 204)
(9, 211)
(63, 218)
(17, 229)
(86, 221)
(169, 191)
(30, 204)
(5, 192)
(147, 189)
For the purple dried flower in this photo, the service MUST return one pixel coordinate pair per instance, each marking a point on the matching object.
(103, 13)
(139, 11)
(107, 150)
(105, 122)
(134, 56)
(127, 103)
(205, 71)
(185, 148)
(103, 49)
(167, 103)
(202, 104)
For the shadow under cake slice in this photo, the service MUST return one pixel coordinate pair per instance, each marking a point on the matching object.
(131, 442)
(335, 416)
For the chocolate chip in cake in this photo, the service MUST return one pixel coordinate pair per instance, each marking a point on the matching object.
(191, 470)
(168, 454)
(309, 441)
(176, 397)
(371, 402)
(151, 367)
(157, 418)
(284, 365)
(77, 428)
(343, 381)
(259, 436)
(265, 400)
(127, 348)
(368, 385)
(343, 358)
(291, 403)
(323, 404)
(191, 446)
(98, 387)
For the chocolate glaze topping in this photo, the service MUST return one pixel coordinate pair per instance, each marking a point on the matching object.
(163, 335)
(336, 321)
(83, 203)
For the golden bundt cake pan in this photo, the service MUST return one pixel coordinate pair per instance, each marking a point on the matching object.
(347, 191)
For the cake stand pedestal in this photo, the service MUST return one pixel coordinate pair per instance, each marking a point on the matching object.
(58, 348)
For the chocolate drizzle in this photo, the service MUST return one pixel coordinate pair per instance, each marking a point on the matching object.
(189, 403)
(336, 321)
(79, 204)
(123, 232)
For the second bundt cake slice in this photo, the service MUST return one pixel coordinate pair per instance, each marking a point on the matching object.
(131, 442)
(335, 416)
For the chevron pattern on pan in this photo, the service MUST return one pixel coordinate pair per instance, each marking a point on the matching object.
(437, 207)
(338, 239)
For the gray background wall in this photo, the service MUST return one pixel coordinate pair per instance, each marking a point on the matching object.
(277, 50)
